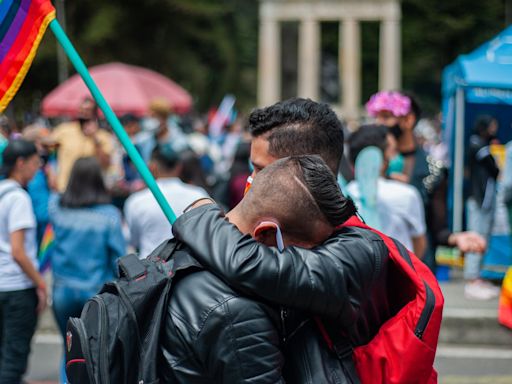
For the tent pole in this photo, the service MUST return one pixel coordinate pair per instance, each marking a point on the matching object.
(458, 166)
(112, 119)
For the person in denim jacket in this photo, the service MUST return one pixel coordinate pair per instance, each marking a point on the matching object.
(88, 240)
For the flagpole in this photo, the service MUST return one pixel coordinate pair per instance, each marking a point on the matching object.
(112, 119)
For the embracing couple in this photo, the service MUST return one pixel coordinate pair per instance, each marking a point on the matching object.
(288, 291)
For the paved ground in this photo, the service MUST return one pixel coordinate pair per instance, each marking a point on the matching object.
(453, 291)
(45, 359)
(456, 364)
(474, 365)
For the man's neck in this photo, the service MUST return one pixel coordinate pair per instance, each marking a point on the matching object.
(168, 175)
(17, 178)
(237, 218)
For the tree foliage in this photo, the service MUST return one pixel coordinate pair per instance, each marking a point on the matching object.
(435, 32)
(207, 46)
(210, 46)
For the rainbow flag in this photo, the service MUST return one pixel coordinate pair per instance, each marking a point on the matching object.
(45, 248)
(22, 26)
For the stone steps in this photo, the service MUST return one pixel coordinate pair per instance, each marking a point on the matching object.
(469, 321)
(475, 327)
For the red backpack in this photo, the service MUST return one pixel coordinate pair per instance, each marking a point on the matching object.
(404, 348)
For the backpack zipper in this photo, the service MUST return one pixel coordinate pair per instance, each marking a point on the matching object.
(430, 303)
(103, 361)
(84, 345)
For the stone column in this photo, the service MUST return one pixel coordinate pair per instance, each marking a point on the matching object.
(350, 60)
(269, 72)
(309, 59)
(390, 55)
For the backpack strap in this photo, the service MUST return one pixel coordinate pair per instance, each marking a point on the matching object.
(183, 260)
(131, 266)
(342, 348)
(165, 250)
(389, 242)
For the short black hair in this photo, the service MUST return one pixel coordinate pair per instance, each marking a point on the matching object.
(299, 191)
(192, 172)
(86, 186)
(166, 156)
(325, 189)
(371, 135)
(300, 127)
(128, 118)
(15, 149)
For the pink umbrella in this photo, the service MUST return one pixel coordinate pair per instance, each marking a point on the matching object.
(128, 89)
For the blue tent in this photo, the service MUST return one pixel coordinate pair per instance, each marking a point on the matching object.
(479, 83)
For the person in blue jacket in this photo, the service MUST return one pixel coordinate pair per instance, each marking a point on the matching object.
(88, 240)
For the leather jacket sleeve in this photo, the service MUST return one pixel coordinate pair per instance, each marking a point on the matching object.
(330, 280)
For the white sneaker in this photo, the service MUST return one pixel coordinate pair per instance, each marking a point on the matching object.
(480, 290)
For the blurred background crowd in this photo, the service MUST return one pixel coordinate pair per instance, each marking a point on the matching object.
(70, 196)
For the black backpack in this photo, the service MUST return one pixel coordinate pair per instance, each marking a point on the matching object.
(116, 338)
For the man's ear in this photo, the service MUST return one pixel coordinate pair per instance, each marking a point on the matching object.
(265, 233)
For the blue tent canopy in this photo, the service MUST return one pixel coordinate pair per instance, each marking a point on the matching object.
(486, 71)
(475, 84)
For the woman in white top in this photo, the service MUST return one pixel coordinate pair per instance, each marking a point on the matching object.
(22, 288)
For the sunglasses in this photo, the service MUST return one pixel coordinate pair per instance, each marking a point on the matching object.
(85, 120)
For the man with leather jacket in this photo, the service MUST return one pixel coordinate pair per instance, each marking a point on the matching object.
(215, 334)
(344, 280)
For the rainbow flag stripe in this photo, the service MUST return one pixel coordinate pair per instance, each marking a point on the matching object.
(46, 248)
(22, 26)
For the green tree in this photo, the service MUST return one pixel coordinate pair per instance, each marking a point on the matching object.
(207, 46)
(435, 32)
(210, 46)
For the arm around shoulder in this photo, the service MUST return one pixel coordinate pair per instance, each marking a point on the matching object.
(313, 280)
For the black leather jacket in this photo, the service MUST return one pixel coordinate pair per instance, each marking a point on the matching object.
(214, 335)
(344, 280)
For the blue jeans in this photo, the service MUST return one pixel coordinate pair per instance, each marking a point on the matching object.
(68, 302)
(480, 221)
(18, 320)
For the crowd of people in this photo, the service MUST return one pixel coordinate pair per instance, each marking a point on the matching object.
(77, 180)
